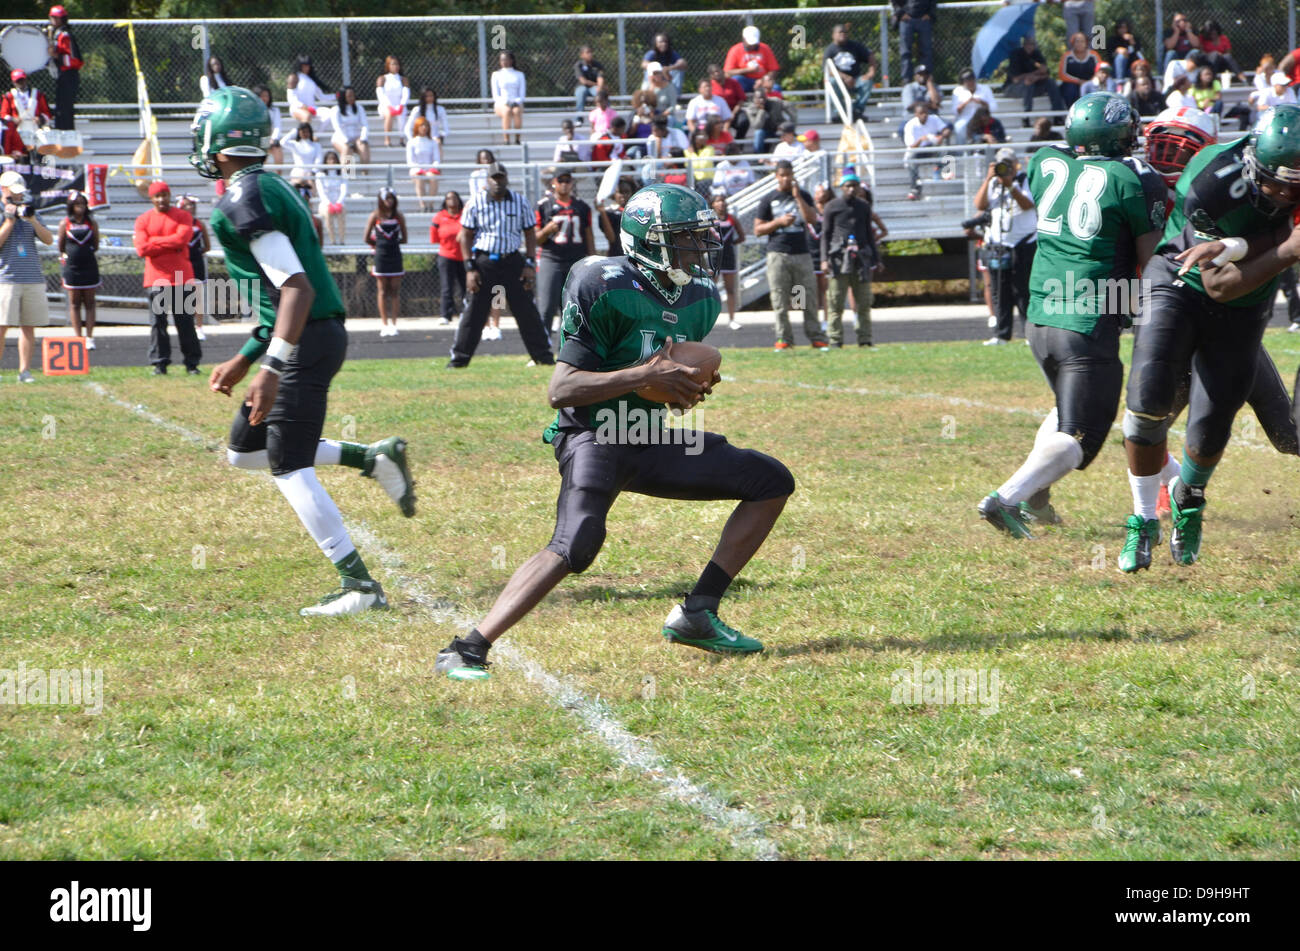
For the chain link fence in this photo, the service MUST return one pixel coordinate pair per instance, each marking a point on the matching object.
(455, 55)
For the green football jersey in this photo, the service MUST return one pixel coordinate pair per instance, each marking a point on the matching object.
(1091, 211)
(1210, 202)
(614, 317)
(257, 202)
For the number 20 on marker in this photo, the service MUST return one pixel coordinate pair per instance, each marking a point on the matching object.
(64, 356)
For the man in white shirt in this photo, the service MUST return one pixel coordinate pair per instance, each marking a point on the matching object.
(663, 139)
(922, 132)
(968, 96)
(1010, 240)
(1176, 68)
(733, 173)
(1180, 94)
(699, 109)
(1277, 93)
(789, 148)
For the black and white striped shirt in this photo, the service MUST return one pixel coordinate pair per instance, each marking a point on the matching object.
(498, 225)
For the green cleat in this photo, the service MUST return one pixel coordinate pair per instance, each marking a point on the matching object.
(1044, 513)
(386, 464)
(460, 661)
(702, 629)
(1004, 517)
(1143, 535)
(1185, 539)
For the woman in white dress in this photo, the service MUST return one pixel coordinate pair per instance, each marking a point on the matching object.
(428, 109)
(392, 92)
(331, 189)
(349, 124)
(274, 152)
(424, 157)
(215, 78)
(509, 88)
(306, 93)
(306, 154)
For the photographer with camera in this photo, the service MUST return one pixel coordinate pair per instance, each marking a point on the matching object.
(22, 286)
(1009, 241)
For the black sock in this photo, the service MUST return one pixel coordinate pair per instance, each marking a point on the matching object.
(473, 646)
(708, 591)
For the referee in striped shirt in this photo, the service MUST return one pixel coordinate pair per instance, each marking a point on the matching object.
(492, 227)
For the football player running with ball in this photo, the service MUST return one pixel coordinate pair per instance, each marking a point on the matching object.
(1099, 217)
(620, 319)
(1232, 204)
(273, 250)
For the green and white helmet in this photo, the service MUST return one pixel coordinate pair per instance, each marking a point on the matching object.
(655, 222)
(231, 121)
(1272, 155)
(1102, 123)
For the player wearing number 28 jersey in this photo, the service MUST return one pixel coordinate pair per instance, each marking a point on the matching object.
(1099, 214)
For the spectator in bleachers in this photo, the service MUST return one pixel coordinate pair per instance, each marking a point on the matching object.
(386, 233)
(1264, 72)
(66, 61)
(1027, 72)
(771, 87)
(444, 231)
(590, 77)
(642, 121)
(763, 119)
(1077, 66)
(731, 233)
(732, 93)
(609, 146)
(782, 218)
(568, 148)
(509, 89)
(350, 129)
(1101, 81)
(702, 155)
(162, 237)
(719, 135)
(985, 129)
(921, 89)
(1208, 91)
(968, 95)
(331, 190)
(665, 141)
(1180, 95)
(914, 20)
(78, 242)
(734, 172)
(392, 92)
(423, 158)
(670, 64)
(1136, 70)
(749, 60)
(1080, 15)
(23, 110)
(1217, 49)
(704, 105)
(1179, 41)
(852, 61)
(274, 152)
(1144, 98)
(306, 91)
(602, 114)
(214, 77)
(661, 84)
(1043, 131)
(922, 135)
(428, 110)
(789, 147)
(1278, 93)
(811, 141)
(1123, 47)
(306, 154)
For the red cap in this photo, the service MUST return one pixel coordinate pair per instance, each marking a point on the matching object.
(59, 12)
(16, 75)
(157, 188)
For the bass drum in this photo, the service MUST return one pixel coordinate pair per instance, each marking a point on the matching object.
(24, 47)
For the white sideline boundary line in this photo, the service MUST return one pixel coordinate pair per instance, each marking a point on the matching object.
(747, 831)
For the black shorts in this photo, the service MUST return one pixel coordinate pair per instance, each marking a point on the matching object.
(1182, 329)
(594, 473)
(1086, 375)
(293, 428)
(727, 259)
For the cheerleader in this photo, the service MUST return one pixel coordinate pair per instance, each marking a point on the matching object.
(215, 78)
(78, 242)
(392, 91)
(386, 233)
(434, 114)
(200, 243)
(423, 156)
(306, 153)
(274, 152)
(306, 93)
(349, 124)
(331, 189)
(731, 233)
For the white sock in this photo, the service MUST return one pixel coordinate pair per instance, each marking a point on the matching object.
(1146, 490)
(318, 513)
(328, 453)
(1046, 428)
(1171, 470)
(1053, 457)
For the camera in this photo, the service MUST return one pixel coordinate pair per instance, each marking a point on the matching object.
(26, 211)
(1002, 169)
(979, 221)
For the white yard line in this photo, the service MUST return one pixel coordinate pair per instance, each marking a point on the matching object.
(747, 831)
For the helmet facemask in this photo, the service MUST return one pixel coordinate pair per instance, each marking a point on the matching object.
(671, 246)
(1256, 175)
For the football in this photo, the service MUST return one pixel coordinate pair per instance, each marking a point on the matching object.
(703, 357)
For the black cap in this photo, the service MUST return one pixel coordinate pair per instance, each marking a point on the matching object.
(495, 169)
(786, 127)
(966, 74)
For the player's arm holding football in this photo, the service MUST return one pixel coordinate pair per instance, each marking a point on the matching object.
(1234, 267)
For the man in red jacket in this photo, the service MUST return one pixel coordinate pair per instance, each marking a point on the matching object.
(162, 238)
(22, 110)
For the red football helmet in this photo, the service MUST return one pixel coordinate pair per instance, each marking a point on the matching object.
(1174, 136)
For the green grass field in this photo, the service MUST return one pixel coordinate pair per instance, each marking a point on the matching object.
(1134, 717)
